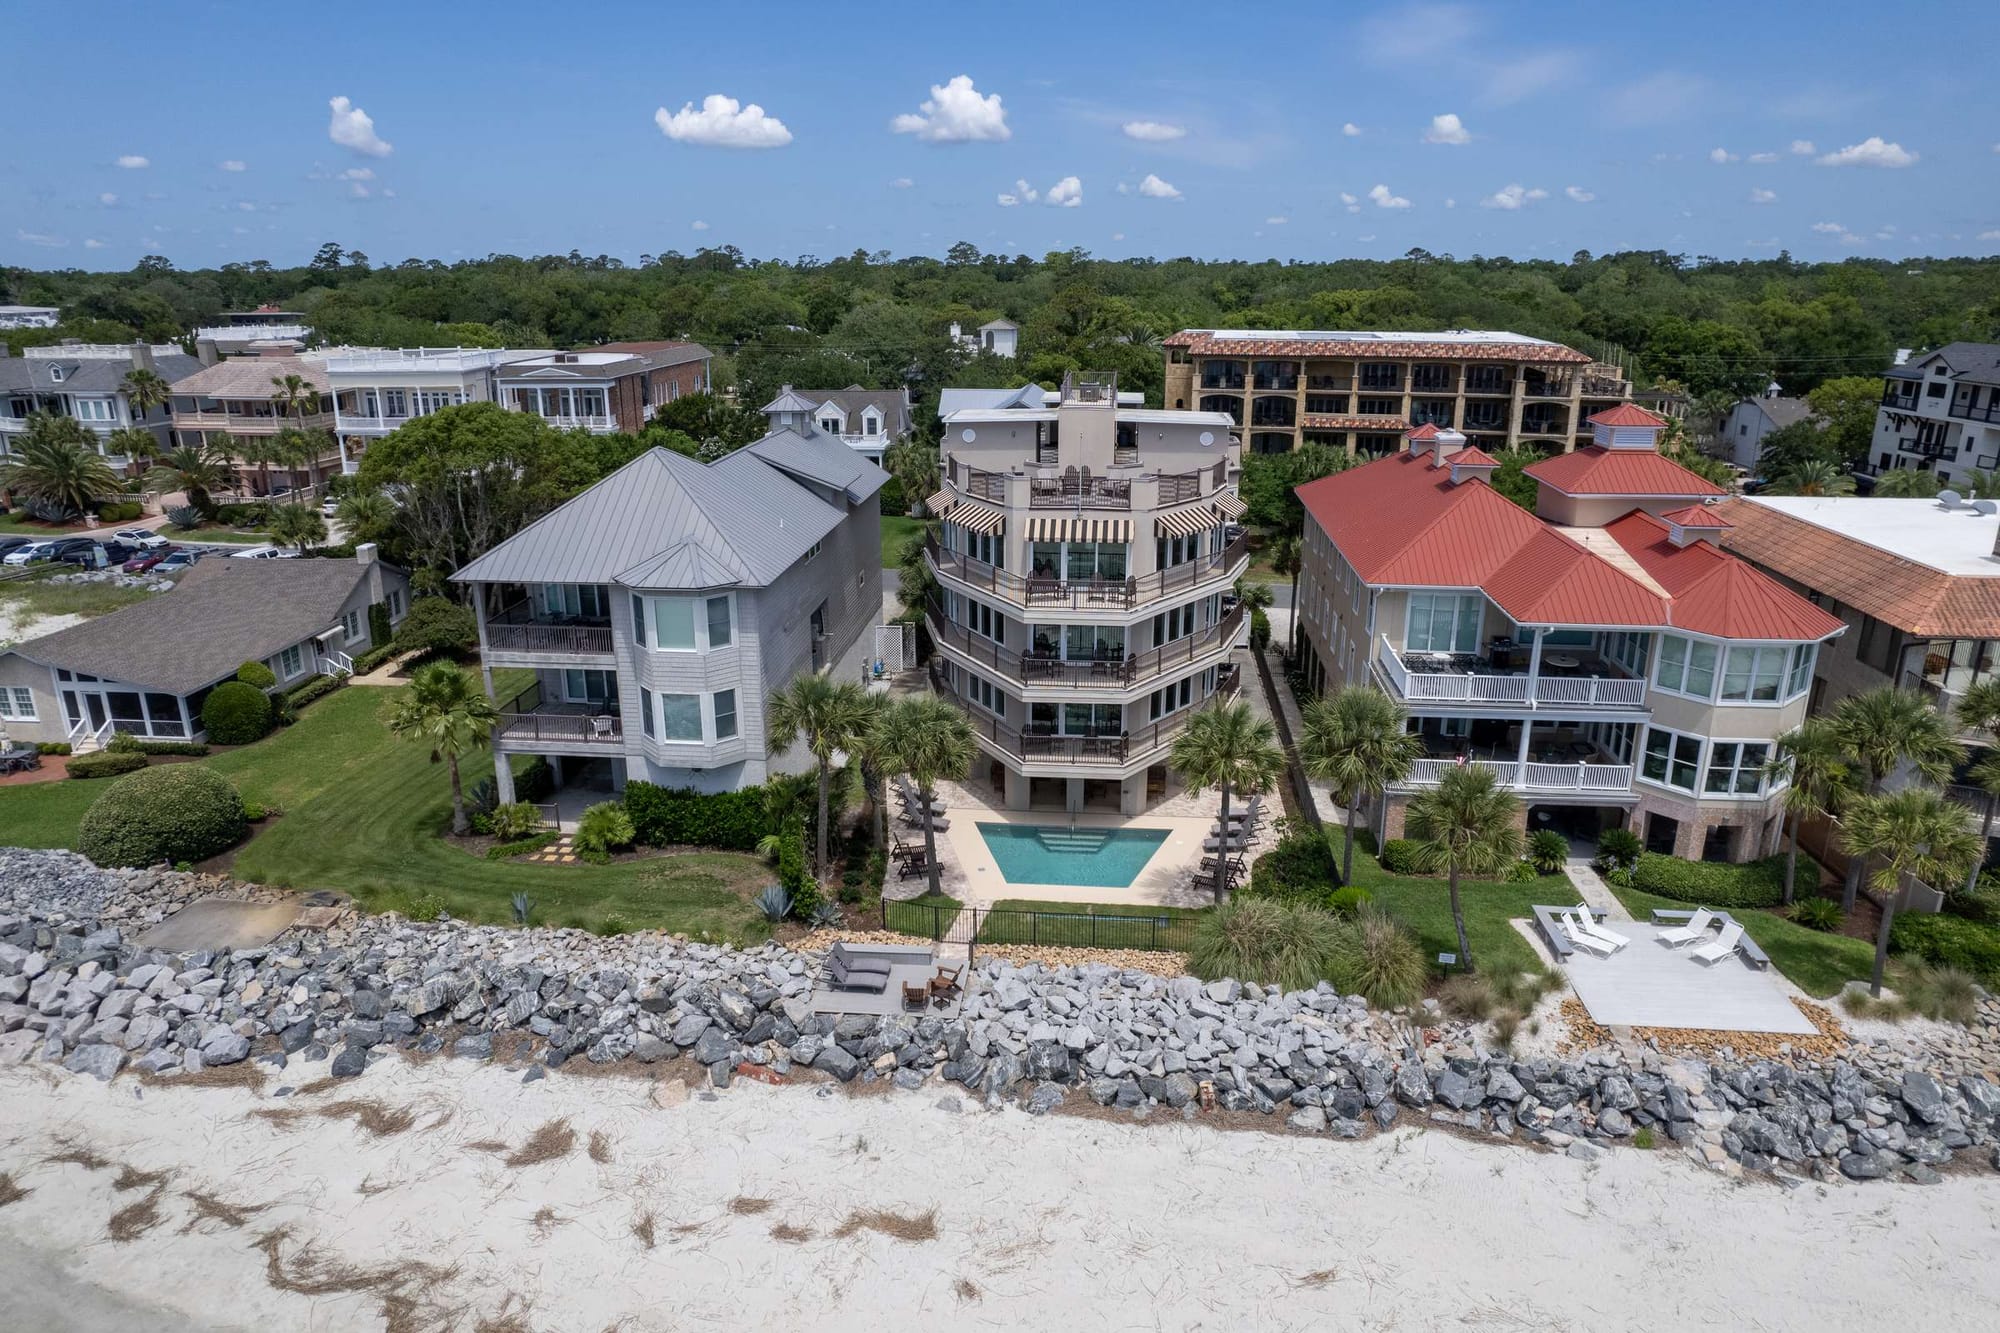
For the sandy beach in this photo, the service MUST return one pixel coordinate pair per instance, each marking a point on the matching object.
(440, 1196)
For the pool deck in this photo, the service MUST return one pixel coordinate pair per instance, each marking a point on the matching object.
(1162, 882)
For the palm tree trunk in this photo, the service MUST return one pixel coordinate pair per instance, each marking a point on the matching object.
(1856, 866)
(1347, 853)
(825, 783)
(460, 825)
(930, 840)
(1985, 841)
(1222, 847)
(1882, 942)
(1458, 920)
(1792, 859)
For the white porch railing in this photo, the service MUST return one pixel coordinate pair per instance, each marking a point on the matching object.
(339, 661)
(1531, 776)
(84, 740)
(1521, 691)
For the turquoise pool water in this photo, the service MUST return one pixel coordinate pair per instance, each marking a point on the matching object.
(1099, 858)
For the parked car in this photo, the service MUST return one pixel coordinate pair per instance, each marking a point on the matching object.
(143, 561)
(177, 560)
(329, 507)
(34, 553)
(141, 537)
(257, 553)
(89, 553)
(9, 544)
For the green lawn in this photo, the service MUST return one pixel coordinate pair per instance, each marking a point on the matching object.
(1090, 925)
(362, 815)
(1816, 962)
(16, 525)
(925, 916)
(1424, 905)
(896, 533)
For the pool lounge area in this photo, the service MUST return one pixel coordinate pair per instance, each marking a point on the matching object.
(1142, 860)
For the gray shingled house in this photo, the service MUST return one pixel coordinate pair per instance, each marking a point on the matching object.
(661, 607)
(147, 669)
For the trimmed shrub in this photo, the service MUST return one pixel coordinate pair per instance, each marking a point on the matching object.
(380, 632)
(1399, 857)
(1618, 847)
(254, 812)
(1548, 851)
(1348, 901)
(1378, 957)
(1982, 904)
(1711, 883)
(106, 764)
(180, 812)
(681, 816)
(1260, 629)
(1300, 868)
(511, 823)
(52, 747)
(536, 782)
(1290, 944)
(256, 673)
(603, 829)
(1523, 872)
(1949, 941)
(1819, 914)
(236, 714)
(126, 741)
(312, 688)
(437, 625)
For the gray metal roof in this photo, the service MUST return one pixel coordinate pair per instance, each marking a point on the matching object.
(1784, 411)
(893, 404)
(960, 400)
(1977, 363)
(223, 613)
(663, 518)
(100, 374)
(822, 459)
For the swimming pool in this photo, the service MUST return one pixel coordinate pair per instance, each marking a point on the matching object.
(1095, 857)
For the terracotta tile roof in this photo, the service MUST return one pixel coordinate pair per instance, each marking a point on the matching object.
(1204, 342)
(1697, 516)
(1401, 522)
(1320, 421)
(1913, 597)
(1626, 414)
(1593, 470)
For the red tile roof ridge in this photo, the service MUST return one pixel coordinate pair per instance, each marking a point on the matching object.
(1626, 414)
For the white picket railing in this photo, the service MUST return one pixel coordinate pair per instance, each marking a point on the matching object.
(84, 740)
(339, 661)
(1525, 691)
(1530, 776)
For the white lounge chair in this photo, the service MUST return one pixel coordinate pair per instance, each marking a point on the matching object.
(1678, 937)
(1725, 944)
(1599, 929)
(1583, 939)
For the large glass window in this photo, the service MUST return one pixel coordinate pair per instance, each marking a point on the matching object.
(1627, 649)
(1670, 758)
(1444, 622)
(680, 717)
(1799, 678)
(718, 622)
(1735, 768)
(1686, 666)
(589, 685)
(673, 624)
(1095, 560)
(683, 624)
(1094, 643)
(1753, 674)
(725, 714)
(576, 601)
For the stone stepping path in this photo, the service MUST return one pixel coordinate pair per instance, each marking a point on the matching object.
(560, 852)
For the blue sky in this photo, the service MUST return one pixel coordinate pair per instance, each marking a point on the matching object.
(1211, 130)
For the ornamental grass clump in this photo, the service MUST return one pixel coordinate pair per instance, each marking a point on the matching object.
(1378, 958)
(1288, 944)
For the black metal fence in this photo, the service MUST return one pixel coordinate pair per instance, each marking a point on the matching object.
(949, 923)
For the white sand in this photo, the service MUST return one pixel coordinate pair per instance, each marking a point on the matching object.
(1055, 1223)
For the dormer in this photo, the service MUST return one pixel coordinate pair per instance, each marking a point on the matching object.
(791, 410)
(1445, 445)
(1627, 426)
(1695, 523)
(1473, 463)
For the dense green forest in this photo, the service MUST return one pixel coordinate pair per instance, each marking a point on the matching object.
(1708, 325)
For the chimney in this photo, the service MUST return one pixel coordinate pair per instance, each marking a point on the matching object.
(365, 554)
(1444, 444)
(204, 351)
(142, 355)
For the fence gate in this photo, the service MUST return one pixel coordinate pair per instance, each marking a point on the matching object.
(896, 647)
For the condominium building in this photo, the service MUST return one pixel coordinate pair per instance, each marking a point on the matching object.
(1940, 413)
(29, 316)
(1361, 391)
(607, 388)
(242, 398)
(867, 421)
(87, 382)
(1603, 656)
(661, 608)
(1085, 562)
(376, 391)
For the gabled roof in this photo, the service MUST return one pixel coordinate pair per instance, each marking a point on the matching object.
(790, 400)
(1472, 456)
(893, 405)
(86, 374)
(243, 377)
(1593, 470)
(820, 458)
(1025, 397)
(1781, 412)
(1975, 363)
(1626, 414)
(1696, 516)
(1427, 431)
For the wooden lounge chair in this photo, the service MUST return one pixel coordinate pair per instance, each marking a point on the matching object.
(1726, 944)
(916, 995)
(914, 865)
(1679, 937)
(945, 982)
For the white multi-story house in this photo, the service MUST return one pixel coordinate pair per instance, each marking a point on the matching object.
(1601, 655)
(607, 388)
(1940, 412)
(29, 316)
(88, 383)
(240, 397)
(374, 392)
(660, 609)
(996, 337)
(1085, 567)
(867, 421)
(1751, 419)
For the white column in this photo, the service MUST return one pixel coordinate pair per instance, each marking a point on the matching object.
(503, 778)
(1534, 664)
(1521, 760)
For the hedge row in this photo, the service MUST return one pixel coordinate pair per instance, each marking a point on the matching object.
(106, 764)
(1712, 883)
(681, 816)
(314, 687)
(1950, 941)
(127, 742)
(1299, 869)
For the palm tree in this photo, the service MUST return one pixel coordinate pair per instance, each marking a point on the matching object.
(1907, 483)
(1465, 823)
(1883, 730)
(1358, 741)
(133, 442)
(1226, 745)
(1254, 596)
(1814, 476)
(931, 741)
(194, 470)
(445, 708)
(146, 390)
(296, 525)
(56, 463)
(1811, 757)
(830, 717)
(1914, 832)
(868, 756)
(1979, 710)
(366, 515)
(295, 397)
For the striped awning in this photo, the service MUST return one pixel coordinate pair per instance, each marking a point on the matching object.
(1184, 522)
(976, 517)
(1070, 529)
(941, 503)
(1230, 505)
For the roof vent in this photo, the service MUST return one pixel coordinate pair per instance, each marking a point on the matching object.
(1985, 507)
(1947, 499)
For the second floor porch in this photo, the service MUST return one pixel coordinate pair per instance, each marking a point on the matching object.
(538, 623)
(1058, 588)
(1507, 677)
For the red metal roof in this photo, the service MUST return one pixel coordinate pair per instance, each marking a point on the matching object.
(1626, 414)
(1402, 523)
(1593, 470)
(1473, 456)
(1427, 431)
(1205, 342)
(1697, 516)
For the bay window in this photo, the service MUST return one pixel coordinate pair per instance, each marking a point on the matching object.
(1753, 675)
(680, 717)
(1444, 622)
(1799, 678)
(683, 624)
(1686, 666)
(1670, 758)
(1735, 768)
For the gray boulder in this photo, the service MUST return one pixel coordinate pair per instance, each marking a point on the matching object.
(224, 1047)
(98, 1060)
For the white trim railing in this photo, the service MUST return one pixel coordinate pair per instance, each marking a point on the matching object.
(1523, 691)
(1530, 776)
(82, 740)
(339, 661)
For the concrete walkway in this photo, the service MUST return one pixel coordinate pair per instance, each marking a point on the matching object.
(1594, 890)
(384, 675)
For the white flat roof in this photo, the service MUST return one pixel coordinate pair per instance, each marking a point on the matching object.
(1955, 541)
(446, 359)
(1167, 416)
(1351, 335)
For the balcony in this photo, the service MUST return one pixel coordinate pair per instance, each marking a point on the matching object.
(1222, 375)
(527, 721)
(1053, 593)
(1075, 487)
(1035, 671)
(1447, 678)
(1989, 413)
(1124, 749)
(596, 425)
(1546, 388)
(347, 422)
(520, 630)
(1532, 777)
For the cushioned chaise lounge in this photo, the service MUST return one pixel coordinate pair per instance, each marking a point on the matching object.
(849, 971)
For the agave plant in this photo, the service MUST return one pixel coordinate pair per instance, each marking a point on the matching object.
(524, 907)
(183, 516)
(825, 914)
(774, 903)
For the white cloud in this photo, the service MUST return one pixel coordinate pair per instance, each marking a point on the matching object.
(1451, 203)
(108, 199)
(1763, 196)
(1117, 235)
(1365, 239)
(698, 225)
(723, 122)
(356, 190)
(232, 164)
(1828, 228)
(1870, 152)
(1351, 130)
(1803, 148)
(1153, 131)
(40, 238)
(1005, 200)
(1276, 221)
(1066, 193)
(1385, 198)
(1990, 235)
(245, 206)
(901, 183)
(133, 162)
(1026, 191)
(1658, 98)
(1155, 188)
(353, 128)
(93, 243)
(956, 113)
(1578, 194)
(1447, 128)
(1763, 159)
(1353, 204)
(357, 174)
(1720, 156)
(1512, 197)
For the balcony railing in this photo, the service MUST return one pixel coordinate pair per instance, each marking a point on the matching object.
(1579, 777)
(1989, 413)
(1079, 594)
(527, 718)
(1106, 748)
(1073, 489)
(518, 628)
(1547, 389)
(1031, 670)
(1477, 687)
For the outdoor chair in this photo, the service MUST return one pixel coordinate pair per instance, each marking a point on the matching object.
(945, 982)
(1215, 844)
(1593, 926)
(914, 865)
(1584, 939)
(1681, 936)
(1727, 943)
(848, 971)
(916, 995)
